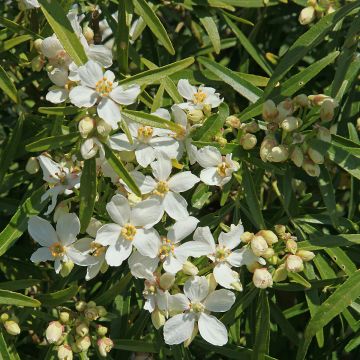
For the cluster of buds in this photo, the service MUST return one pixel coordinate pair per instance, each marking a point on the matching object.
(89, 127)
(280, 251)
(316, 9)
(76, 331)
(10, 323)
(246, 131)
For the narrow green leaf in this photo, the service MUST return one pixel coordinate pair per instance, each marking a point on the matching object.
(4, 348)
(59, 297)
(52, 142)
(88, 186)
(15, 41)
(340, 257)
(8, 297)
(317, 242)
(210, 27)
(122, 44)
(121, 170)
(152, 21)
(17, 28)
(136, 345)
(59, 110)
(61, 26)
(7, 86)
(19, 284)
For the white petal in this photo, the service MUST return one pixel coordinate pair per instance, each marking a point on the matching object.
(243, 256)
(183, 228)
(50, 169)
(219, 300)
(182, 181)
(163, 113)
(53, 193)
(100, 54)
(41, 254)
(196, 288)
(178, 303)
(58, 76)
(57, 95)
(84, 244)
(191, 151)
(90, 74)
(231, 239)
(145, 155)
(192, 248)
(172, 265)
(186, 90)
(213, 100)
(179, 328)
(147, 242)
(212, 330)
(208, 156)
(175, 206)
(146, 213)
(108, 234)
(79, 258)
(50, 46)
(57, 265)
(82, 96)
(179, 115)
(150, 304)
(120, 142)
(119, 209)
(67, 228)
(119, 252)
(89, 148)
(142, 266)
(166, 146)
(42, 231)
(93, 270)
(109, 111)
(146, 184)
(224, 276)
(161, 168)
(125, 96)
(210, 176)
(203, 234)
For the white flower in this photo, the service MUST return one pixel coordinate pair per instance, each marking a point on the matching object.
(60, 178)
(59, 92)
(90, 147)
(197, 98)
(217, 168)
(169, 251)
(100, 89)
(148, 142)
(57, 245)
(197, 302)
(29, 4)
(132, 226)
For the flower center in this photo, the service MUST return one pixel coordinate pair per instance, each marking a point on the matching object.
(61, 57)
(57, 250)
(166, 248)
(145, 133)
(97, 249)
(104, 86)
(222, 169)
(161, 188)
(199, 97)
(128, 232)
(197, 307)
(221, 253)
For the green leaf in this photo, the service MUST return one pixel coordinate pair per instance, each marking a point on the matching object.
(333, 306)
(122, 36)
(18, 223)
(152, 21)
(59, 110)
(4, 348)
(210, 27)
(136, 345)
(156, 74)
(243, 87)
(61, 26)
(317, 242)
(314, 36)
(17, 28)
(7, 86)
(19, 284)
(11, 43)
(52, 142)
(12, 298)
(88, 191)
(59, 297)
(121, 170)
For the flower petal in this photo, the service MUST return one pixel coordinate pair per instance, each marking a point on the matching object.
(172, 265)
(67, 228)
(116, 254)
(243, 256)
(146, 213)
(219, 300)
(178, 303)
(41, 254)
(79, 258)
(161, 168)
(231, 239)
(82, 96)
(182, 228)
(182, 181)
(100, 54)
(208, 156)
(212, 330)
(125, 96)
(196, 288)
(108, 234)
(147, 242)
(186, 90)
(203, 234)
(90, 74)
(175, 206)
(210, 176)
(42, 231)
(119, 209)
(179, 328)
(145, 155)
(57, 95)
(224, 276)
(192, 248)
(120, 142)
(142, 266)
(109, 111)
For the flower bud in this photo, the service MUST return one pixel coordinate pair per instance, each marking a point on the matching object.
(315, 156)
(324, 134)
(280, 229)
(266, 146)
(64, 317)
(12, 327)
(285, 109)
(189, 268)
(269, 252)
(54, 332)
(61, 209)
(278, 154)
(66, 268)
(86, 126)
(280, 274)
(253, 266)
(158, 319)
(195, 116)
(82, 329)
(195, 331)
(258, 245)
(290, 123)
(269, 236)
(318, 99)
(251, 127)
(327, 110)
(246, 237)
(294, 263)
(80, 306)
(37, 45)
(207, 109)
(291, 246)
(248, 141)
(221, 140)
(297, 156)
(32, 165)
(305, 255)
(4, 317)
(212, 282)
(311, 168)
(88, 34)
(167, 281)
(101, 310)
(103, 128)
(301, 100)
(101, 330)
(65, 352)
(37, 63)
(105, 345)
(83, 343)
(307, 15)
(127, 156)
(91, 313)
(269, 112)
(262, 279)
(233, 122)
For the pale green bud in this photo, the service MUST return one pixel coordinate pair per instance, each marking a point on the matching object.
(278, 154)
(297, 156)
(86, 126)
(32, 165)
(305, 255)
(262, 279)
(246, 237)
(248, 141)
(233, 122)
(167, 281)
(258, 245)
(280, 274)
(307, 15)
(66, 268)
(311, 168)
(103, 128)
(54, 332)
(315, 156)
(82, 329)
(12, 327)
(65, 352)
(189, 268)
(294, 263)
(289, 124)
(105, 345)
(269, 236)
(195, 116)
(83, 343)
(158, 319)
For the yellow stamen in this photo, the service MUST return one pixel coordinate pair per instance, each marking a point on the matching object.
(57, 250)
(161, 188)
(222, 168)
(145, 133)
(97, 249)
(104, 86)
(199, 97)
(128, 232)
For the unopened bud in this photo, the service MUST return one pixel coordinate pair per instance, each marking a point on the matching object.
(82, 329)
(285, 109)
(86, 126)
(258, 245)
(291, 246)
(327, 110)
(318, 99)
(101, 310)
(105, 345)
(83, 343)
(189, 268)
(12, 327)
(248, 141)
(158, 319)
(167, 281)
(311, 168)
(278, 154)
(267, 145)
(65, 352)
(66, 268)
(280, 229)
(64, 317)
(269, 252)
(294, 263)
(80, 306)
(54, 332)
(315, 156)
(253, 266)
(4, 317)
(301, 100)
(212, 282)
(233, 122)
(127, 156)
(32, 165)
(221, 140)
(269, 112)
(195, 331)
(195, 116)
(88, 34)
(246, 237)
(207, 109)
(324, 134)
(297, 156)
(61, 209)
(103, 128)
(37, 63)
(307, 15)
(290, 123)
(251, 127)
(134, 199)
(305, 255)
(91, 313)
(269, 236)
(262, 279)
(280, 274)
(101, 330)
(37, 45)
